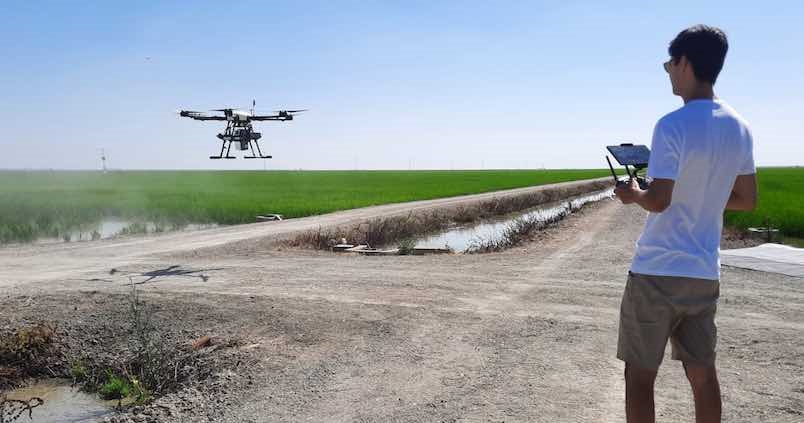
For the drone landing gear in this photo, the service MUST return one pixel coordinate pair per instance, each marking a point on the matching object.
(227, 148)
(253, 154)
(244, 136)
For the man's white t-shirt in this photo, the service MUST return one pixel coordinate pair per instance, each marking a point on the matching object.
(702, 146)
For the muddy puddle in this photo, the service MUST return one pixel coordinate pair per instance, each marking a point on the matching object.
(461, 238)
(113, 227)
(60, 403)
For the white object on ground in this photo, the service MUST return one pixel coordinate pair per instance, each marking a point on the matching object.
(269, 217)
(774, 258)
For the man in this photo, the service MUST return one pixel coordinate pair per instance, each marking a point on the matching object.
(700, 164)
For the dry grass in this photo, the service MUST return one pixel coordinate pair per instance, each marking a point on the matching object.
(27, 352)
(393, 229)
(522, 228)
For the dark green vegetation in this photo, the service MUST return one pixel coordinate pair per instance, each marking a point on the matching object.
(116, 387)
(781, 201)
(54, 204)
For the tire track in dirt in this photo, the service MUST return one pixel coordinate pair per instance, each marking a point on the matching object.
(594, 369)
(588, 339)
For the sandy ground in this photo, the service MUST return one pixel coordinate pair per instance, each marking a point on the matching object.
(524, 335)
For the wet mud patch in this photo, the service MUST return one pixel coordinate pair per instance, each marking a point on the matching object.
(106, 349)
(52, 400)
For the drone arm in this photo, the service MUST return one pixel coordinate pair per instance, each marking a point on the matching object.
(281, 115)
(270, 117)
(208, 117)
(199, 115)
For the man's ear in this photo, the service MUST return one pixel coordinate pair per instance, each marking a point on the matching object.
(686, 66)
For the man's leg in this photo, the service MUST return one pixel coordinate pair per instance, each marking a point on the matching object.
(645, 324)
(639, 394)
(694, 342)
(706, 390)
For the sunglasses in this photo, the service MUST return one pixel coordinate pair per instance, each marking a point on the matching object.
(667, 64)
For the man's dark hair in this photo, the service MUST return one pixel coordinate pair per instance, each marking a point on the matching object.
(705, 47)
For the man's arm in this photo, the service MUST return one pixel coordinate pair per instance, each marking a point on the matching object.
(744, 193)
(656, 198)
(662, 168)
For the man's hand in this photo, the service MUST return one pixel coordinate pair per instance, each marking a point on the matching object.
(628, 192)
(656, 198)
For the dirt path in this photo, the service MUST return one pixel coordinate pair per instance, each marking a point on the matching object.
(524, 335)
(30, 263)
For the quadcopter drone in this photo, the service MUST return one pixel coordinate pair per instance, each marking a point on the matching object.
(239, 129)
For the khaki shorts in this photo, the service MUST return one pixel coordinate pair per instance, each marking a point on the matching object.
(655, 308)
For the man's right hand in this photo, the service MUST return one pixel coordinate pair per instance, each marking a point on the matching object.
(628, 192)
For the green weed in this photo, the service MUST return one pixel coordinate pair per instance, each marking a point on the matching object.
(135, 228)
(78, 370)
(115, 387)
(406, 246)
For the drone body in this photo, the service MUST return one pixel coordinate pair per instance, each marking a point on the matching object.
(239, 129)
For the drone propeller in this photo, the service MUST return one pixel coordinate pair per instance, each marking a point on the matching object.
(291, 111)
(188, 113)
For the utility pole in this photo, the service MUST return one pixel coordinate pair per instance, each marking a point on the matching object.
(103, 160)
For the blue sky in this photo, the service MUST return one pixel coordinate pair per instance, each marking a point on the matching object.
(390, 85)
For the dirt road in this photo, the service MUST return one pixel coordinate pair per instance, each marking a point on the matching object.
(29, 263)
(520, 336)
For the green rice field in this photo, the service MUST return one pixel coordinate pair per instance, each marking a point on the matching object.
(41, 204)
(781, 200)
(53, 204)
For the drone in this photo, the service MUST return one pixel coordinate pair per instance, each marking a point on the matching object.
(239, 129)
